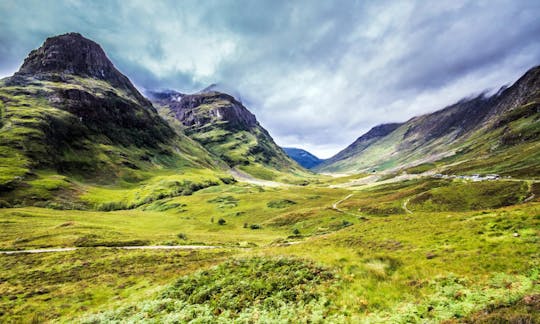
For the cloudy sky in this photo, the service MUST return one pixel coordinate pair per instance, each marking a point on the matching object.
(317, 74)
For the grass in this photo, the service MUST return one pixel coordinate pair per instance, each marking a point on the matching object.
(245, 146)
(285, 253)
(431, 265)
(462, 196)
(244, 290)
(388, 260)
(170, 184)
(159, 222)
(107, 172)
(54, 287)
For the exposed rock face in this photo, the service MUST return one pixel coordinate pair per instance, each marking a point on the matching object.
(205, 108)
(378, 131)
(70, 112)
(525, 90)
(456, 120)
(72, 54)
(85, 101)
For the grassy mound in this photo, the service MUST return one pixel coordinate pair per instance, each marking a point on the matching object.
(461, 196)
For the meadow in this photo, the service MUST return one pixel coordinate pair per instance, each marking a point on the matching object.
(291, 253)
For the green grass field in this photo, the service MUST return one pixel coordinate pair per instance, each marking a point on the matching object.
(367, 260)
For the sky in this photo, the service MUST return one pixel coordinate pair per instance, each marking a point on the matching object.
(317, 74)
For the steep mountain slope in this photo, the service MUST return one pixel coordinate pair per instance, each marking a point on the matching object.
(363, 142)
(227, 129)
(69, 112)
(497, 133)
(303, 157)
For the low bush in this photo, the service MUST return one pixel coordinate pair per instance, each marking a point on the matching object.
(281, 203)
(266, 290)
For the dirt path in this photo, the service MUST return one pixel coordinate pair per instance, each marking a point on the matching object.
(404, 206)
(144, 247)
(244, 177)
(336, 208)
(39, 251)
(335, 205)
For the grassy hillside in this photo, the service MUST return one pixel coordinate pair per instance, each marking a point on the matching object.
(497, 134)
(361, 257)
(53, 151)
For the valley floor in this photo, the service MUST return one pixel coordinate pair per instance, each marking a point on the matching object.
(419, 250)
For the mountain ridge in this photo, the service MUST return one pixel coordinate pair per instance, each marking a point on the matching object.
(73, 54)
(448, 133)
(225, 127)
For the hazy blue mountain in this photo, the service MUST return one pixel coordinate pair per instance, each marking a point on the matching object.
(303, 157)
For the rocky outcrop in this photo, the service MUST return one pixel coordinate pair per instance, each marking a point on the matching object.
(73, 54)
(224, 127)
(205, 108)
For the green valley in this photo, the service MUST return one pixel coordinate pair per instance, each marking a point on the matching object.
(183, 209)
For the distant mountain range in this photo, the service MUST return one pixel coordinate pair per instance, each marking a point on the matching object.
(498, 133)
(68, 117)
(303, 157)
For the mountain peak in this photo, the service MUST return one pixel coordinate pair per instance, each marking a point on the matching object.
(69, 53)
(204, 108)
(73, 54)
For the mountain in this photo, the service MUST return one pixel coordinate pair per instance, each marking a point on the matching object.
(69, 117)
(497, 133)
(227, 129)
(303, 157)
(361, 143)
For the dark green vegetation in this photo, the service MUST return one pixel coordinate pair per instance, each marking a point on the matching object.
(526, 311)
(246, 290)
(485, 134)
(87, 162)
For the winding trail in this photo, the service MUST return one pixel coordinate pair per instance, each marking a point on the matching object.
(336, 208)
(142, 247)
(404, 206)
(335, 205)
